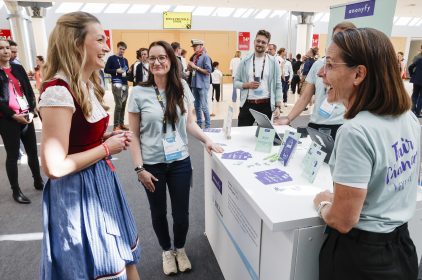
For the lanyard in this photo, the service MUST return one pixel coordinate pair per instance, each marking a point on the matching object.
(263, 66)
(118, 60)
(160, 100)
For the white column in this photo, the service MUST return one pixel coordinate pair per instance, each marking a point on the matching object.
(40, 35)
(301, 38)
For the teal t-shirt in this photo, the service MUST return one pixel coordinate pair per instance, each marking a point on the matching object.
(320, 95)
(143, 100)
(380, 153)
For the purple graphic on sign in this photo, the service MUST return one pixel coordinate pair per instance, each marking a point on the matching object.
(287, 150)
(217, 181)
(362, 9)
(273, 176)
(238, 155)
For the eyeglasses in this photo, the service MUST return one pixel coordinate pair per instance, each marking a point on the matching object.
(161, 59)
(328, 65)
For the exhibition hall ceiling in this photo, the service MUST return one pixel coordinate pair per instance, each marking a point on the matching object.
(404, 8)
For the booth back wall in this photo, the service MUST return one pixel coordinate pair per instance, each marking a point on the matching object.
(220, 45)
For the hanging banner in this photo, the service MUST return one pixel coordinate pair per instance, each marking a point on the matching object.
(315, 40)
(5, 34)
(373, 13)
(244, 41)
(362, 9)
(177, 20)
(107, 33)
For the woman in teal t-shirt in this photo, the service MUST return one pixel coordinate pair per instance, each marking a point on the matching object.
(374, 165)
(160, 116)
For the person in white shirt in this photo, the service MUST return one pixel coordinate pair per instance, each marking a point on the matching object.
(234, 63)
(287, 73)
(216, 79)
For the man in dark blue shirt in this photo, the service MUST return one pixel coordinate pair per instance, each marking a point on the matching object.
(117, 67)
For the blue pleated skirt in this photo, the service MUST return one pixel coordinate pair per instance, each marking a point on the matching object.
(89, 230)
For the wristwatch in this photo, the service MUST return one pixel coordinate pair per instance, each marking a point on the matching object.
(139, 169)
(321, 206)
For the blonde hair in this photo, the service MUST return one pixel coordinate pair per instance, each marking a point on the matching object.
(66, 53)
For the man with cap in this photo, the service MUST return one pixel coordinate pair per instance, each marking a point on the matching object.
(200, 68)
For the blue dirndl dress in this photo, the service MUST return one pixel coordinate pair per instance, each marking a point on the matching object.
(89, 230)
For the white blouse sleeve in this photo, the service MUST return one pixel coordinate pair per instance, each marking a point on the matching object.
(57, 96)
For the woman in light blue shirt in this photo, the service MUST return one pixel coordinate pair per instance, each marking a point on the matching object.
(375, 163)
(160, 116)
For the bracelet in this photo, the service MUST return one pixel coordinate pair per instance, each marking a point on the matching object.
(106, 149)
(139, 169)
(321, 206)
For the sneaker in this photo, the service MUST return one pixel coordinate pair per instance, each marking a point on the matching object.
(183, 261)
(116, 128)
(285, 105)
(169, 263)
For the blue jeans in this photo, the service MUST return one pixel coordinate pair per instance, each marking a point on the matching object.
(201, 106)
(285, 84)
(417, 99)
(234, 93)
(175, 176)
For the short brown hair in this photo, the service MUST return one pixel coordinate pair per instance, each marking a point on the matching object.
(264, 33)
(382, 91)
(344, 25)
(281, 50)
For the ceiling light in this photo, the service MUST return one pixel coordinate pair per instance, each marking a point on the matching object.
(414, 21)
(116, 8)
(67, 7)
(402, 21)
(94, 8)
(184, 9)
(419, 23)
(278, 13)
(138, 9)
(223, 12)
(248, 13)
(395, 19)
(203, 11)
(318, 16)
(263, 14)
(158, 9)
(326, 17)
(239, 12)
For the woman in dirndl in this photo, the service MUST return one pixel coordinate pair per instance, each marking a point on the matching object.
(89, 230)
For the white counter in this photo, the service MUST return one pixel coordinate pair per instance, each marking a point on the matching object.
(272, 230)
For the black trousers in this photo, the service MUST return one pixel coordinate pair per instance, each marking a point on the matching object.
(285, 86)
(12, 133)
(333, 127)
(175, 176)
(245, 117)
(216, 89)
(367, 255)
(295, 82)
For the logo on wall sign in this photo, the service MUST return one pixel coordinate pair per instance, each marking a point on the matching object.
(361, 9)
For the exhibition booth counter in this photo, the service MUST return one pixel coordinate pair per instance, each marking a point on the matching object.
(259, 214)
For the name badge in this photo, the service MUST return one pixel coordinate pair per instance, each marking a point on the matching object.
(173, 146)
(23, 103)
(326, 109)
(193, 73)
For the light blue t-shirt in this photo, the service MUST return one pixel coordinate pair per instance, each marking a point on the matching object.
(380, 153)
(320, 95)
(143, 100)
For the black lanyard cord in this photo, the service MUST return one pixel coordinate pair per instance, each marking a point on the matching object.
(160, 100)
(263, 66)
